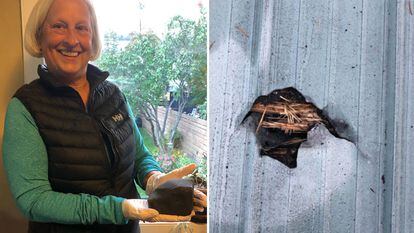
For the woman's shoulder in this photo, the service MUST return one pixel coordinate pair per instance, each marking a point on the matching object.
(28, 89)
(17, 111)
(15, 106)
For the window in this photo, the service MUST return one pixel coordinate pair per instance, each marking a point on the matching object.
(156, 52)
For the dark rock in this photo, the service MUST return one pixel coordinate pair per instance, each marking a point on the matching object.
(174, 197)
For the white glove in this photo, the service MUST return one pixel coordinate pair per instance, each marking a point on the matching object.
(199, 200)
(158, 178)
(171, 218)
(138, 209)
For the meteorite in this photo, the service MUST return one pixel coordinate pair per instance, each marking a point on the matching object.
(174, 197)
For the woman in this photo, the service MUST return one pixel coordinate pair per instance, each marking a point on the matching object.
(71, 149)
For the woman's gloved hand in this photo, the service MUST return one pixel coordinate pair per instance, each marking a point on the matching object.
(199, 200)
(138, 209)
(158, 178)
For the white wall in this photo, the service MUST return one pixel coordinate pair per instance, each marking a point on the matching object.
(30, 63)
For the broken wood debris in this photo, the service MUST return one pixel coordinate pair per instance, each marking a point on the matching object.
(282, 120)
(292, 116)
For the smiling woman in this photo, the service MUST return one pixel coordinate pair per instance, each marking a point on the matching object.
(66, 41)
(72, 152)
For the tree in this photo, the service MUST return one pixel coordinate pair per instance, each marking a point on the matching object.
(110, 56)
(148, 68)
(185, 62)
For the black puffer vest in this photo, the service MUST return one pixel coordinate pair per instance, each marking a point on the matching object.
(90, 150)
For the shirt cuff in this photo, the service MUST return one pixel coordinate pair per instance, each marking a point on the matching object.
(119, 216)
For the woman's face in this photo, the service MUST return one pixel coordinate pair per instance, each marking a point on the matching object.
(66, 39)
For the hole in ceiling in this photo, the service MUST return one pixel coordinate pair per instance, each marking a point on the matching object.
(282, 120)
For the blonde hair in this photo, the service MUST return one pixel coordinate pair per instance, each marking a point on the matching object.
(33, 33)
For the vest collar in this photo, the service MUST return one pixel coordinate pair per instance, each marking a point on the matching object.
(94, 75)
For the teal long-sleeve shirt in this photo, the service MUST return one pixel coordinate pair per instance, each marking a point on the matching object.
(26, 164)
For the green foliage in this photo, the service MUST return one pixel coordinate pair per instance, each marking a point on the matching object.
(110, 56)
(186, 45)
(202, 169)
(134, 68)
(202, 109)
(178, 138)
(149, 144)
(199, 177)
(181, 159)
(148, 68)
(199, 85)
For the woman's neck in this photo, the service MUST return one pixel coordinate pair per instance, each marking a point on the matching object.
(81, 85)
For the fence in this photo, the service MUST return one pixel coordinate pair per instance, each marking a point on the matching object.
(192, 130)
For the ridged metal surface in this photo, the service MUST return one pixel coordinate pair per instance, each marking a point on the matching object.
(352, 58)
(403, 188)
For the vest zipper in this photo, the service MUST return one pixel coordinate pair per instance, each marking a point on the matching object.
(111, 165)
(114, 151)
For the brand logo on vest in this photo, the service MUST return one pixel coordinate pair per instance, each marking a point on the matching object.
(117, 117)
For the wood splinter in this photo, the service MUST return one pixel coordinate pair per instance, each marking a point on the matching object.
(282, 120)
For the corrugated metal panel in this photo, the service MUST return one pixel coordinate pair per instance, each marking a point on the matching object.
(342, 54)
(403, 189)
